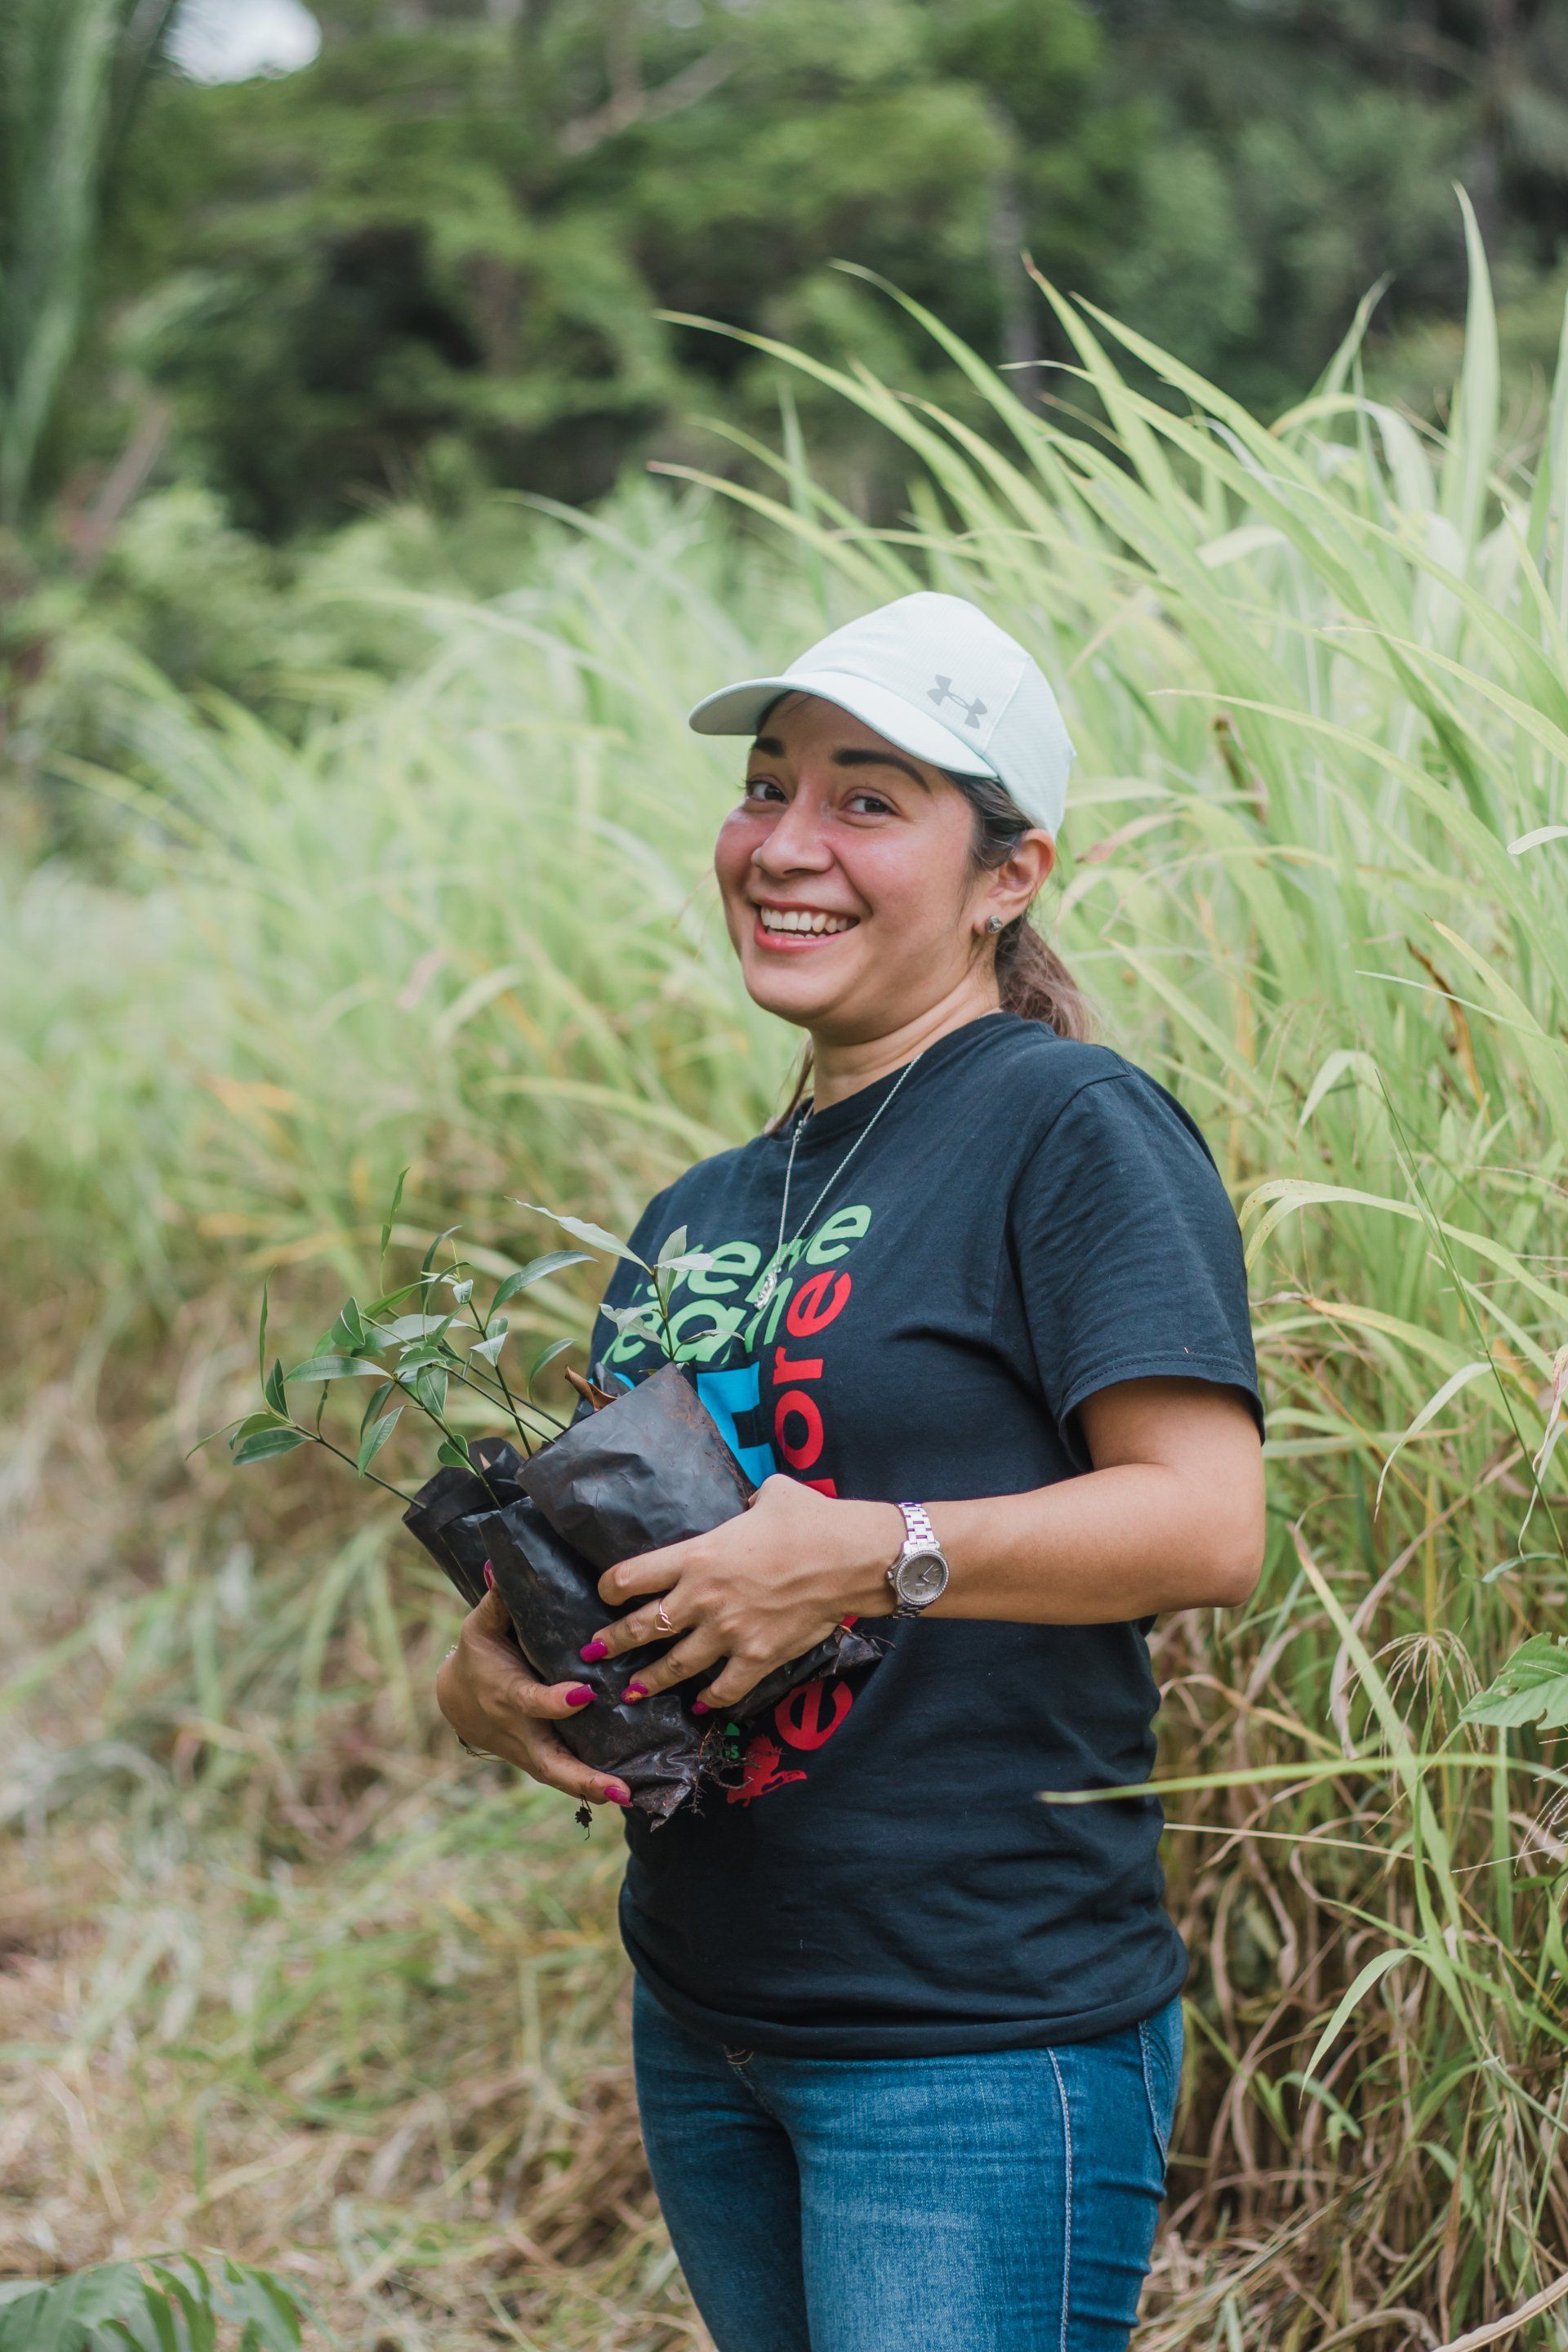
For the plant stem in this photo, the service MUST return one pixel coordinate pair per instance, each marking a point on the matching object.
(669, 1341)
(317, 1439)
(460, 1375)
(483, 1328)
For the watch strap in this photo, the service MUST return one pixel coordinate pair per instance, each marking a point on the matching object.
(918, 1533)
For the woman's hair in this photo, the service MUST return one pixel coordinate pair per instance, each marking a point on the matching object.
(1031, 978)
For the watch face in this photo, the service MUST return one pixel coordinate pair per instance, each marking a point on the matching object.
(921, 1577)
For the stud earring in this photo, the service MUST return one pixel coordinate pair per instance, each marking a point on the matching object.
(994, 922)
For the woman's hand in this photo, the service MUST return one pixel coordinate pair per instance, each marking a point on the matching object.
(757, 1592)
(489, 1698)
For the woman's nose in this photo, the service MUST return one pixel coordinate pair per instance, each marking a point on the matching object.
(796, 840)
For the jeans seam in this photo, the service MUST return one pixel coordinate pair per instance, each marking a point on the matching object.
(1162, 2140)
(1067, 2201)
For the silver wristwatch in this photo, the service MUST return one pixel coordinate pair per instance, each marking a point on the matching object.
(919, 1575)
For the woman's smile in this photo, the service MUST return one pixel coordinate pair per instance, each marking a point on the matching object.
(787, 927)
(849, 884)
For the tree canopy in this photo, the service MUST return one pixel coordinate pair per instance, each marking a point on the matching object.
(438, 254)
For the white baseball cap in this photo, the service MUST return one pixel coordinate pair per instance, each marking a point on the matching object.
(938, 677)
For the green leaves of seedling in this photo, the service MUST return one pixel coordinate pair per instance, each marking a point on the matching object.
(348, 1335)
(417, 1289)
(264, 1444)
(426, 1383)
(650, 1319)
(643, 1321)
(335, 1367)
(543, 1361)
(489, 1350)
(406, 1327)
(582, 1231)
(375, 1437)
(674, 1257)
(536, 1271)
(412, 1356)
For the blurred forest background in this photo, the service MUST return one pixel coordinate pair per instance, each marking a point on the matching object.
(408, 408)
(428, 266)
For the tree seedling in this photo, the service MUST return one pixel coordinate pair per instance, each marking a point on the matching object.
(423, 1339)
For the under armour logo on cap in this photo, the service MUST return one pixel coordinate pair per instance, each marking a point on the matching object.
(942, 691)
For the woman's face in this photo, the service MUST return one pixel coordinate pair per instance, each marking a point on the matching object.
(849, 884)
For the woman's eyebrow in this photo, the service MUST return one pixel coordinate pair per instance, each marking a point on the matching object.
(856, 755)
(847, 755)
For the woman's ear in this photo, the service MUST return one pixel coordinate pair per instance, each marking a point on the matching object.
(1012, 886)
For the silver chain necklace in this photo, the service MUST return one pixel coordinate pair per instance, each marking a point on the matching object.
(762, 1291)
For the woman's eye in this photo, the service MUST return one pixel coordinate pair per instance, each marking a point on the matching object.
(762, 788)
(870, 803)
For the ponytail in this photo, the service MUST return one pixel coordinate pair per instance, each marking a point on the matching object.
(1033, 983)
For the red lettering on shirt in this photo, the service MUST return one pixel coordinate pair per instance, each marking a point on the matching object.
(796, 1405)
(797, 1718)
(796, 1368)
(760, 1771)
(817, 1304)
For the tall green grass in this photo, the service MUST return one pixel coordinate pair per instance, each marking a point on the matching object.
(1315, 872)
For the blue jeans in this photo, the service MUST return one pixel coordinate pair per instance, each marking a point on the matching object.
(999, 2202)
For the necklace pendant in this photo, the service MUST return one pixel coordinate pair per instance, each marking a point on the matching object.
(766, 1288)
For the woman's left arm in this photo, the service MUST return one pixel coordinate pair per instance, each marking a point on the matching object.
(1171, 1516)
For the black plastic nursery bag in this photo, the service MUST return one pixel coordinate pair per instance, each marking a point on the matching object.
(655, 1744)
(651, 1469)
(444, 1513)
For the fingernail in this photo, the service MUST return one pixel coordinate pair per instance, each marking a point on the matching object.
(592, 1651)
(700, 1706)
(579, 1695)
(613, 1796)
(490, 1578)
(634, 1690)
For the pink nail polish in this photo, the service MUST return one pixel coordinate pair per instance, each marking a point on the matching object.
(579, 1695)
(592, 1651)
(617, 1796)
(700, 1706)
(490, 1578)
(634, 1690)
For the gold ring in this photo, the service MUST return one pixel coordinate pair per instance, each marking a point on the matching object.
(662, 1620)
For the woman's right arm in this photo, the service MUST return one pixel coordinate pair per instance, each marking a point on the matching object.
(487, 1695)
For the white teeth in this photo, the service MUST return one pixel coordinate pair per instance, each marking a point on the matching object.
(790, 918)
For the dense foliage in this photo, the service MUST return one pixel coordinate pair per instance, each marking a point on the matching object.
(437, 255)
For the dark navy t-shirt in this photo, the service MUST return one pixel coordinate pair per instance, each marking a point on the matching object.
(1032, 1219)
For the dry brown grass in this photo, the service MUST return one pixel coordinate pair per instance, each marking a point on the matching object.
(311, 1987)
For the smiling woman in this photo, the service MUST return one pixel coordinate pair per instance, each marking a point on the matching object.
(827, 868)
(923, 2030)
